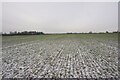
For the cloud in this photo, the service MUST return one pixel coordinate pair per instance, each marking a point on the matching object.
(60, 16)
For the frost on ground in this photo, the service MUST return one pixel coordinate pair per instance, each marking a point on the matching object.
(60, 56)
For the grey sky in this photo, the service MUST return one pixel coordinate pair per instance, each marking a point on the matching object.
(60, 16)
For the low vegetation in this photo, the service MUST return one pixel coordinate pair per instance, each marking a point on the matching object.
(60, 56)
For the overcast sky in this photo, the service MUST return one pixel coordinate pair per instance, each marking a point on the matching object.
(55, 17)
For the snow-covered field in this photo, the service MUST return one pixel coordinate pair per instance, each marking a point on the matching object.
(60, 56)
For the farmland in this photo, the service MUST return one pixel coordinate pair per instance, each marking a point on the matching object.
(60, 56)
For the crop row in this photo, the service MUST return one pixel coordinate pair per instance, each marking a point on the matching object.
(62, 56)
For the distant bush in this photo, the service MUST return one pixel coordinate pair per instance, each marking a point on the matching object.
(116, 32)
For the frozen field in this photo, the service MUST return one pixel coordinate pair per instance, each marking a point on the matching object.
(60, 56)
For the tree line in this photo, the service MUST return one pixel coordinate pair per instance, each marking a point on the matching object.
(23, 33)
(94, 32)
(41, 33)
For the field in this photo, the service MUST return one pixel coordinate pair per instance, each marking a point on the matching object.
(60, 56)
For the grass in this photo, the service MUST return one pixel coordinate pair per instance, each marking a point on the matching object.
(25, 38)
